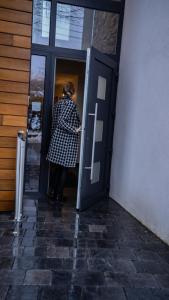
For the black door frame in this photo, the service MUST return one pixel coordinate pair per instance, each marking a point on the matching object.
(52, 53)
(51, 67)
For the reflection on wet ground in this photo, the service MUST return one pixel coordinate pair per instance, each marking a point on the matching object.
(102, 253)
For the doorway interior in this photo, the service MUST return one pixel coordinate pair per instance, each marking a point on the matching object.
(70, 71)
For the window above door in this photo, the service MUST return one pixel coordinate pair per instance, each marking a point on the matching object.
(41, 22)
(74, 27)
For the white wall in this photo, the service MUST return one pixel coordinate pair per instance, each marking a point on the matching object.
(140, 164)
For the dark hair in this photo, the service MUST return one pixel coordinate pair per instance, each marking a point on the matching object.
(68, 89)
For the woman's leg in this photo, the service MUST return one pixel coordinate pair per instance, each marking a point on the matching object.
(52, 179)
(58, 171)
(62, 181)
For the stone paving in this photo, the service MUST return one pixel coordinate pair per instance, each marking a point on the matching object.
(102, 253)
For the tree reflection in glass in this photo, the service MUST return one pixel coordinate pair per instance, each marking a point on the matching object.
(34, 136)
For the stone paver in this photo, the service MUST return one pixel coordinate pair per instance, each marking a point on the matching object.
(106, 255)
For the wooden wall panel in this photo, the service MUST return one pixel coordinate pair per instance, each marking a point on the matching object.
(8, 164)
(13, 98)
(15, 40)
(14, 87)
(14, 121)
(15, 45)
(14, 75)
(7, 195)
(7, 205)
(14, 64)
(7, 174)
(20, 17)
(6, 39)
(15, 28)
(15, 52)
(16, 110)
(9, 142)
(7, 185)
(21, 41)
(7, 153)
(10, 131)
(17, 5)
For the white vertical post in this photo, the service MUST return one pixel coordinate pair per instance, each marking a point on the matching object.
(20, 160)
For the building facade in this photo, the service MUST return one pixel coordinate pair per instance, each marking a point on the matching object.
(15, 51)
(64, 30)
(33, 37)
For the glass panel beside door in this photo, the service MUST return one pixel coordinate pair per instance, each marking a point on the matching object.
(34, 131)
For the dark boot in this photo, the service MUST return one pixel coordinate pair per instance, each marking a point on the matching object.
(59, 198)
(50, 193)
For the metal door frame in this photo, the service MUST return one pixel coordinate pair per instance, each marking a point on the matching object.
(52, 53)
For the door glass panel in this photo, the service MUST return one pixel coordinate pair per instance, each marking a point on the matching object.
(96, 172)
(34, 135)
(41, 22)
(105, 31)
(73, 26)
(99, 131)
(101, 88)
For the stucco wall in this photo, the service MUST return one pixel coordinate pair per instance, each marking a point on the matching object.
(140, 164)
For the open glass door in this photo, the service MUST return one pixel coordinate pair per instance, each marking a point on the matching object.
(95, 140)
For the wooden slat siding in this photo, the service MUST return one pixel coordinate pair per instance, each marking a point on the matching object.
(15, 45)
(7, 205)
(9, 142)
(18, 5)
(13, 75)
(7, 174)
(14, 87)
(14, 64)
(16, 110)
(14, 121)
(7, 185)
(15, 28)
(14, 52)
(10, 15)
(7, 153)
(10, 131)
(13, 98)
(6, 39)
(22, 41)
(7, 195)
(9, 164)
(15, 40)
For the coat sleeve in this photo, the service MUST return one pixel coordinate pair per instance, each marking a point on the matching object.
(54, 117)
(65, 116)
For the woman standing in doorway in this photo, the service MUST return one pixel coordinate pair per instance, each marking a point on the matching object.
(63, 148)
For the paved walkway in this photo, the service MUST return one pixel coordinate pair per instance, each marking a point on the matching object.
(100, 254)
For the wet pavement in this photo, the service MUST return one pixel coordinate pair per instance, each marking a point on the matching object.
(102, 253)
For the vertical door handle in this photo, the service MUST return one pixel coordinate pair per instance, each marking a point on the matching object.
(91, 168)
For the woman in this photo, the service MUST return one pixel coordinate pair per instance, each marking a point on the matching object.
(63, 149)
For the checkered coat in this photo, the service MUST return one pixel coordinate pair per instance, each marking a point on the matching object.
(63, 148)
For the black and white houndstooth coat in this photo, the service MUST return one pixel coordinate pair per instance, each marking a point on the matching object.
(63, 148)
